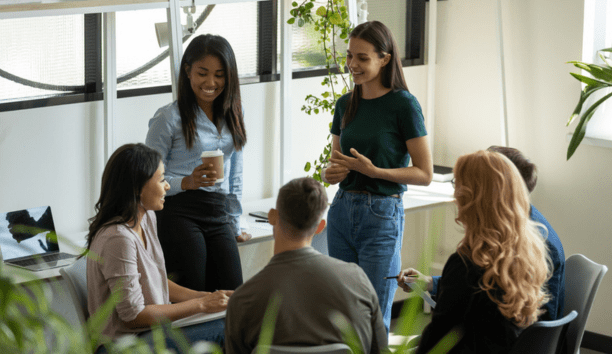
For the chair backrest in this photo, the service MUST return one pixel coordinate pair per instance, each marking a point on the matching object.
(76, 279)
(582, 278)
(543, 337)
(336, 348)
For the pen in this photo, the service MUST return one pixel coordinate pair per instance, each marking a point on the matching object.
(260, 220)
(409, 276)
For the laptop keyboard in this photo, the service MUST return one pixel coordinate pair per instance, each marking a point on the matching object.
(45, 259)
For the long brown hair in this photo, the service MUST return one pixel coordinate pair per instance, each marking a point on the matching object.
(500, 238)
(125, 174)
(227, 106)
(392, 75)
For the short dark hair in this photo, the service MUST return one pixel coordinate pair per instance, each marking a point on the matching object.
(301, 203)
(126, 172)
(528, 169)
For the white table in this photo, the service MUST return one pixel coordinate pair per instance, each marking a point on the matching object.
(416, 199)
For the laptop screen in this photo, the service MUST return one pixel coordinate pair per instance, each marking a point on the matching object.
(27, 232)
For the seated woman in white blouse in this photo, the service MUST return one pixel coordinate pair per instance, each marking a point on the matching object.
(123, 234)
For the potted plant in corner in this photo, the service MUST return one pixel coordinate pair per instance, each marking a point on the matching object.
(601, 79)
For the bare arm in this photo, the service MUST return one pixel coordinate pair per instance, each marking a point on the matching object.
(212, 302)
(420, 173)
(180, 293)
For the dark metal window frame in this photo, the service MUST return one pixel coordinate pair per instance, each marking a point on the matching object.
(266, 67)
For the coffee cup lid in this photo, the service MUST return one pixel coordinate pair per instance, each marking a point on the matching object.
(213, 153)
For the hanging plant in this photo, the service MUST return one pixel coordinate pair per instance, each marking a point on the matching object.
(332, 23)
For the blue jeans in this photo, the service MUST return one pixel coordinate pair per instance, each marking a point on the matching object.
(368, 229)
(212, 331)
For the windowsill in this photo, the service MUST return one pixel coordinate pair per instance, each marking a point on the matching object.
(592, 141)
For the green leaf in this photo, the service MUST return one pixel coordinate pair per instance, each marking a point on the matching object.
(321, 11)
(291, 21)
(603, 73)
(335, 19)
(589, 81)
(307, 167)
(581, 128)
(294, 4)
(301, 22)
(606, 50)
(584, 94)
(325, 94)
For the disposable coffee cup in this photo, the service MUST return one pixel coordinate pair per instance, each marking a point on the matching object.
(215, 158)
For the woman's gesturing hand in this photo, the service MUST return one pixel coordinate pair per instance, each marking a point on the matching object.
(335, 173)
(358, 163)
(215, 302)
(202, 176)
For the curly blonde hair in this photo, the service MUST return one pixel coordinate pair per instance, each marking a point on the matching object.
(493, 207)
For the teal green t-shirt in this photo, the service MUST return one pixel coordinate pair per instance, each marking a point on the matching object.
(379, 131)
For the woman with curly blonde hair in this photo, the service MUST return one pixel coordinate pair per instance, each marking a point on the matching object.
(493, 286)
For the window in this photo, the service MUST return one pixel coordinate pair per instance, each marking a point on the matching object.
(38, 63)
(59, 59)
(405, 18)
(598, 35)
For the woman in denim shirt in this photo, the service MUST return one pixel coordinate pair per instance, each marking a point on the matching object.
(199, 226)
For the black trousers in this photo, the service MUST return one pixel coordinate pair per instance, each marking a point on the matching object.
(199, 240)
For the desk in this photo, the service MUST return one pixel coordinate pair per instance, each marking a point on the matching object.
(416, 199)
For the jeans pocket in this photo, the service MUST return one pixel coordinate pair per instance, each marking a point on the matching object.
(383, 208)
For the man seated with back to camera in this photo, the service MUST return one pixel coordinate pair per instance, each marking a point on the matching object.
(556, 283)
(312, 287)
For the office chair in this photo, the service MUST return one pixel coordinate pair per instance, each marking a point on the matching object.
(582, 278)
(76, 278)
(336, 348)
(543, 337)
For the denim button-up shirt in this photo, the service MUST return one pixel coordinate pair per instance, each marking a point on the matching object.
(166, 136)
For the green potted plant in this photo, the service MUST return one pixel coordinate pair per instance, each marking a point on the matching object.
(601, 78)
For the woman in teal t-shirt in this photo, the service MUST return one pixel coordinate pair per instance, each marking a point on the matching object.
(377, 128)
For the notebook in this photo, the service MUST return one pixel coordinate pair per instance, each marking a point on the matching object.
(28, 240)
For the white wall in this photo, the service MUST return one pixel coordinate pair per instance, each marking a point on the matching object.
(540, 37)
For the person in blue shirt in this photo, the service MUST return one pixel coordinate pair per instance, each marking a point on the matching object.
(556, 284)
(199, 226)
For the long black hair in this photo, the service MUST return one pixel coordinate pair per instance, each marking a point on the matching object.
(392, 75)
(227, 106)
(125, 174)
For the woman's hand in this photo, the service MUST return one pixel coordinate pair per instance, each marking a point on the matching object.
(202, 176)
(335, 173)
(243, 237)
(358, 163)
(215, 302)
(412, 275)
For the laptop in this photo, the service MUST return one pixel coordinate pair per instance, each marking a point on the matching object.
(28, 240)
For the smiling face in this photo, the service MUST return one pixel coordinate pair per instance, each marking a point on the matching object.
(364, 63)
(154, 191)
(207, 78)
